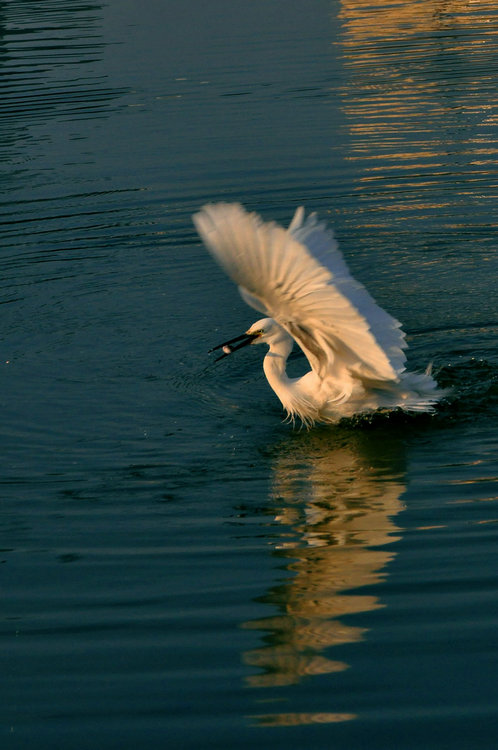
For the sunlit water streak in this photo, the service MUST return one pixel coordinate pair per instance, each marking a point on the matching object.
(421, 102)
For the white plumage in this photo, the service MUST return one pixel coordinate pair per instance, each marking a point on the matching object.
(298, 278)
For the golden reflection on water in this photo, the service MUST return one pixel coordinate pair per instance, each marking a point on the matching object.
(367, 19)
(335, 503)
(420, 100)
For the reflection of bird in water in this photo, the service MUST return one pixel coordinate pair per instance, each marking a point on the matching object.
(336, 507)
(299, 278)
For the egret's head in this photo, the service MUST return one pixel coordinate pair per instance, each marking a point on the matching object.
(262, 330)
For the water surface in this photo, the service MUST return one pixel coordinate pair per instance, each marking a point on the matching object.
(180, 568)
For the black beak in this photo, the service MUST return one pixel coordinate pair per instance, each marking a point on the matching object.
(228, 348)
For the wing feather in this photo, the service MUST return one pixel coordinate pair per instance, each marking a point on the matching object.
(300, 279)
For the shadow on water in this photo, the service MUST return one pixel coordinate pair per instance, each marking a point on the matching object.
(473, 387)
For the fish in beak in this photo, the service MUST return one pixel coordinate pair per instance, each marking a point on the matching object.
(237, 343)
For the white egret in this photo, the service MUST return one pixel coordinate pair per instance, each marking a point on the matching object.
(299, 280)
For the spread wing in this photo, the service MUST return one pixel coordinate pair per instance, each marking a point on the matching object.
(299, 278)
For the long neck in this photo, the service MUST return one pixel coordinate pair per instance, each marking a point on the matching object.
(274, 365)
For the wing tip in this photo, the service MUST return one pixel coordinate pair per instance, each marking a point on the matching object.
(210, 215)
(297, 219)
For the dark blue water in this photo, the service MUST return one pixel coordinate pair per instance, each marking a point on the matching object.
(180, 569)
